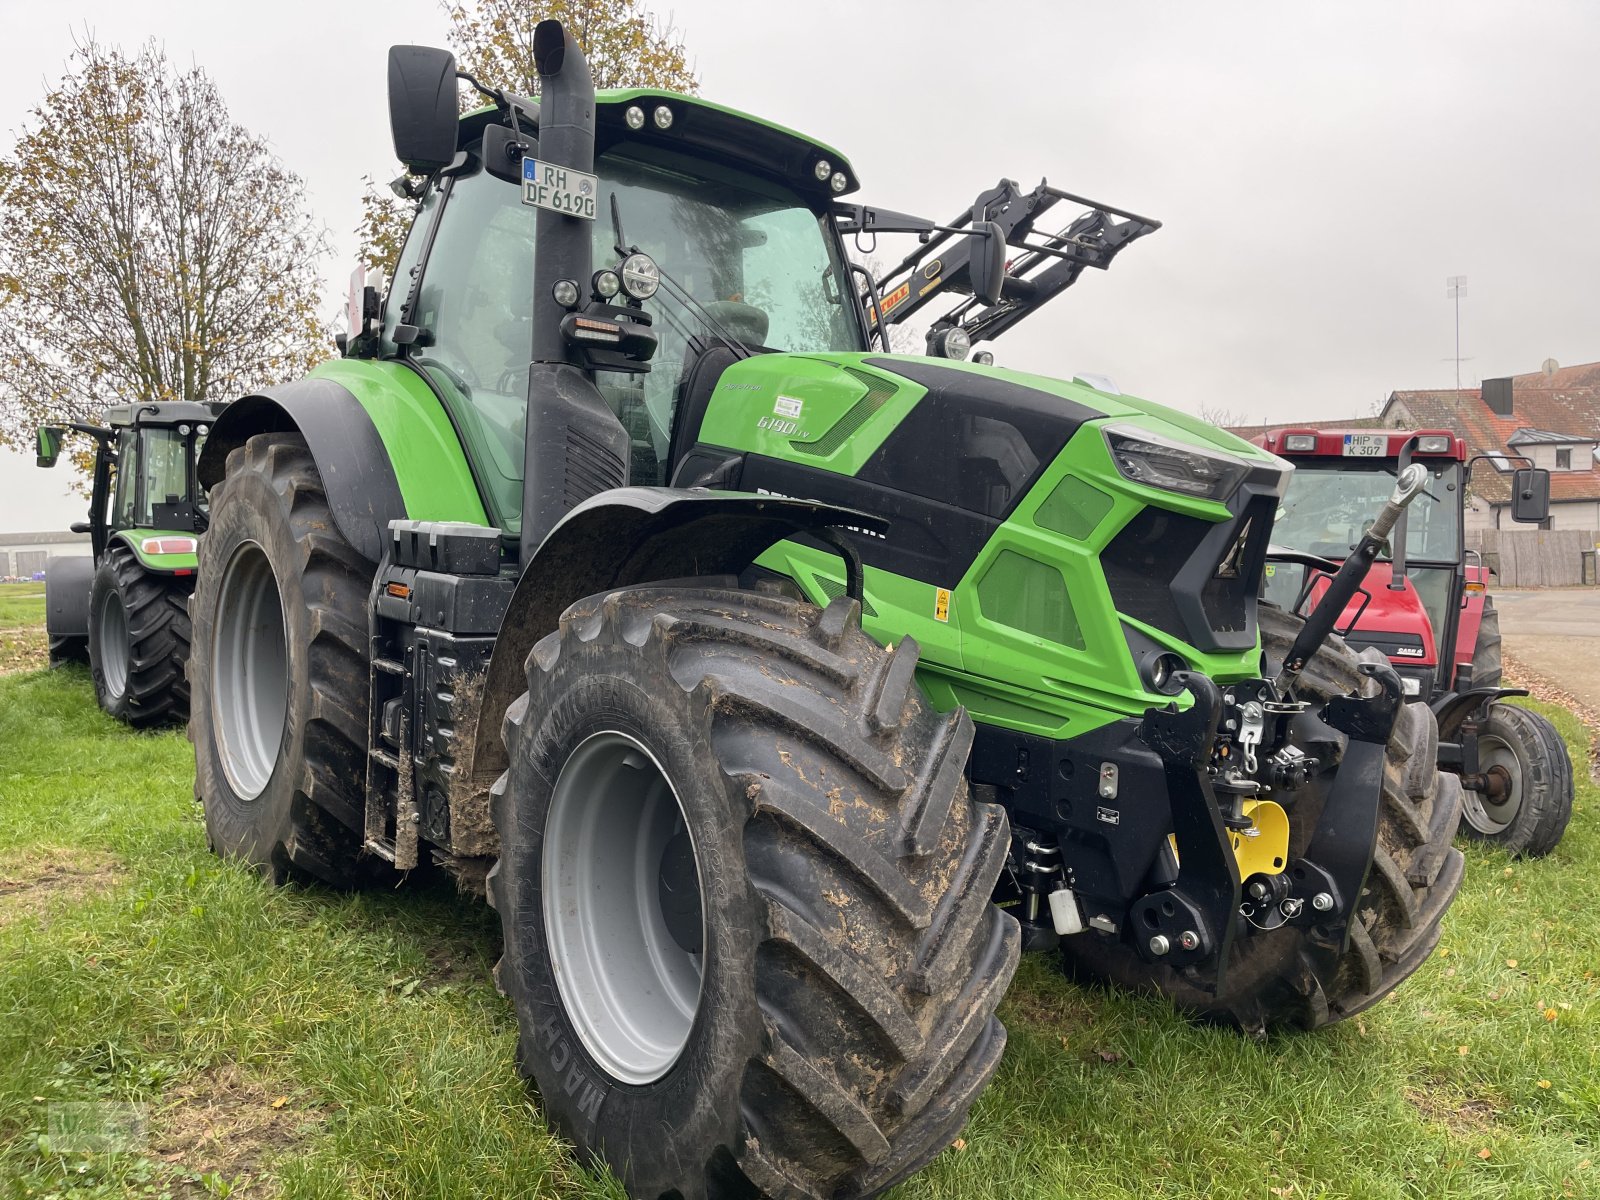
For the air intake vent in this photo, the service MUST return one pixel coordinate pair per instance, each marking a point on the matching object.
(879, 392)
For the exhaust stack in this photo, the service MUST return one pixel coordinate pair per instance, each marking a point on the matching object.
(574, 446)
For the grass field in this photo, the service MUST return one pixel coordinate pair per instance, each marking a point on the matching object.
(306, 1044)
(22, 641)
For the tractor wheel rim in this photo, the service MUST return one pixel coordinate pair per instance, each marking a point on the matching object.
(622, 910)
(112, 628)
(250, 671)
(1484, 814)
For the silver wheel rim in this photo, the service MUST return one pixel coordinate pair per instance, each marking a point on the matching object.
(629, 985)
(111, 629)
(249, 671)
(1495, 816)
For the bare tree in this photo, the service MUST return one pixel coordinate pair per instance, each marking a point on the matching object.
(625, 44)
(150, 247)
(1224, 418)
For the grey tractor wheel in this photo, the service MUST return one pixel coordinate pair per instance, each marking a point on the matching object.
(138, 640)
(1487, 668)
(1527, 760)
(1272, 979)
(279, 670)
(746, 897)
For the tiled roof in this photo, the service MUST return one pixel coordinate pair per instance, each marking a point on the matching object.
(1565, 404)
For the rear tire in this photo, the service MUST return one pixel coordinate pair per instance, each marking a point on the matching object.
(138, 641)
(279, 670)
(1531, 819)
(1487, 666)
(1273, 980)
(838, 1022)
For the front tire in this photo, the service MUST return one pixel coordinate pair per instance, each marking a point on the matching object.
(279, 670)
(1273, 980)
(1528, 758)
(746, 897)
(138, 641)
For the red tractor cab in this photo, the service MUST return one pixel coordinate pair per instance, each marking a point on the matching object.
(1427, 609)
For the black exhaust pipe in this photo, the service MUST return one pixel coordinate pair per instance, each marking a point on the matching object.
(574, 445)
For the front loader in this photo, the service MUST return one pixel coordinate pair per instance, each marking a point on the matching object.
(641, 590)
(124, 610)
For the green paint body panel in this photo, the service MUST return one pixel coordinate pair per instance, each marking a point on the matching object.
(164, 564)
(1004, 675)
(429, 464)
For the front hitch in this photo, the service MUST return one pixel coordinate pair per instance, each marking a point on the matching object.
(1325, 884)
(1190, 926)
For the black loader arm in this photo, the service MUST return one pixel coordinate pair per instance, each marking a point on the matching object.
(1048, 264)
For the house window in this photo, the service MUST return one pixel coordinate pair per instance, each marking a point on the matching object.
(1564, 460)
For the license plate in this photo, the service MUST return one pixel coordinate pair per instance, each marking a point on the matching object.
(1366, 445)
(560, 189)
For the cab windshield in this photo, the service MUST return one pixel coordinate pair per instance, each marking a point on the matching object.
(750, 252)
(1327, 508)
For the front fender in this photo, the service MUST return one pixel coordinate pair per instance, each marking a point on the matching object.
(630, 536)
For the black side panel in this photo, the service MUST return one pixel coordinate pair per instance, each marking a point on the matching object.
(66, 595)
(349, 453)
(928, 540)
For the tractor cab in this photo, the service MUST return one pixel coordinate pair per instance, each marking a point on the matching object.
(1409, 608)
(1422, 604)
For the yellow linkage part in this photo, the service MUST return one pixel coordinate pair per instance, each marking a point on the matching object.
(1268, 852)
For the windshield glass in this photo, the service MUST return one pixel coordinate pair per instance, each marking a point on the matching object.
(750, 252)
(757, 261)
(1328, 507)
(164, 464)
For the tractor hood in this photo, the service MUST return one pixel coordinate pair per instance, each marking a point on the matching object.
(836, 412)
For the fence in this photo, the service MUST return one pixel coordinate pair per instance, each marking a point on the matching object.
(1537, 557)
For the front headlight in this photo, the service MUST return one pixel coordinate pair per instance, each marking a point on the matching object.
(1156, 462)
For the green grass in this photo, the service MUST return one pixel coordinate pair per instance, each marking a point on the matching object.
(21, 605)
(151, 972)
(23, 645)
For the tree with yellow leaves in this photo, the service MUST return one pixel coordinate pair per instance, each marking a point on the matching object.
(493, 41)
(150, 248)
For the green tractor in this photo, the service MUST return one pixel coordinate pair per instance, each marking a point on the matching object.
(125, 610)
(614, 570)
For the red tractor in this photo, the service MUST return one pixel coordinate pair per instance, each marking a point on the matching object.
(1424, 607)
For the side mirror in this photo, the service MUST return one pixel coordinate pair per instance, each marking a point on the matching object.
(503, 153)
(986, 262)
(1530, 495)
(422, 107)
(49, 445)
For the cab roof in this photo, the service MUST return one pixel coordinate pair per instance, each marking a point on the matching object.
(164, 413)
(1330, 442)
(700, 129)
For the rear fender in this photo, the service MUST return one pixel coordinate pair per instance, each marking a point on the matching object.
(157, 561)
(362, 491)
(630, 536)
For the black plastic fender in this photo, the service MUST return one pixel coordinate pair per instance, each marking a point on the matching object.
(350, 455)
(1452, 708)
(628, 536)
(67, 579)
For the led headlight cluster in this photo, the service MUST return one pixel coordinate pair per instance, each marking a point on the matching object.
(1152, 460)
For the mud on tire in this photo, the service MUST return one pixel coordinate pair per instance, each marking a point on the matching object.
(137, 649)
(280, 770)
(850, 959)
(1272, 980)
(1487, 658)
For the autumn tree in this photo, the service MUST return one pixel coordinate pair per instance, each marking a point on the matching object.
(150, 248)
(625, 44)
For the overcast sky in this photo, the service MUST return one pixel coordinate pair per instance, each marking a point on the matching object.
(1320, 168)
